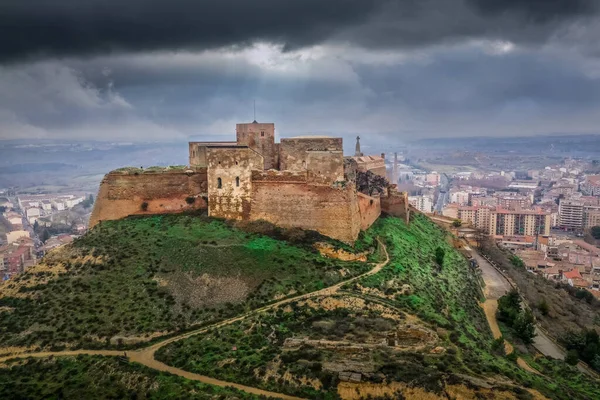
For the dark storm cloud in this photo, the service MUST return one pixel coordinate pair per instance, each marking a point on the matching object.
(73, 27)
(536, 10)
(37, 28)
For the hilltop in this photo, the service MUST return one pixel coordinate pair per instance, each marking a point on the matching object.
(130, 280)
(405, 322)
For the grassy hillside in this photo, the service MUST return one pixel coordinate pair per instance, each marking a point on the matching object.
(565, 312)
(135, 278)
(95, 377)
(413, 329)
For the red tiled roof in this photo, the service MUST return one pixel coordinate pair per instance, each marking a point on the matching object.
(574, 274)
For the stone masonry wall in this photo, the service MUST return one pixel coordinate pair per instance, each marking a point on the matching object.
(122, 193)
(293, 151)
(396, 204)
(331, 211)
(233, 167)
(261, 138)
(370, 210)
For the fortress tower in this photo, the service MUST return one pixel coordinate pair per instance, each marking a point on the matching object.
(259, 137)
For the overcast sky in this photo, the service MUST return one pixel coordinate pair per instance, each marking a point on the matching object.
(384, 69)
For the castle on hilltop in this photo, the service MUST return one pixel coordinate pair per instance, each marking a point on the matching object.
(303, 182)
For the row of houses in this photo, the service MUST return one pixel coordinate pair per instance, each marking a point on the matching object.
(574, 262)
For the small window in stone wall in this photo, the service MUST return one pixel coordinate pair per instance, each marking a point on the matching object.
(262, 134)
(219, 183)
(237, 181)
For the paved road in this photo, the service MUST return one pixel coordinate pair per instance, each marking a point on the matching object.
(442, 197)
(496, 285)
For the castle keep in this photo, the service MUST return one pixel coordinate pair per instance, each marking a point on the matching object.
(303, 182)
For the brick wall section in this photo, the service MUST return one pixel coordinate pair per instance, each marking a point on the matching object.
(370, 210)
(122, 194)
(233, 166)
(331, 211)
(292, 151)
(261, 138)
(396, 204)
(197, 152)
(375, 164)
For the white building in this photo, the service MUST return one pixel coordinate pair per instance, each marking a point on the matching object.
(461, 197)
(422, 203)
(32, 212)
(46, 205)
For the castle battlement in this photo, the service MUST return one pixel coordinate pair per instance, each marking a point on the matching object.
(303, 182)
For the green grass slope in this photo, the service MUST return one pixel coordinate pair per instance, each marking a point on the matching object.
(96, 377)
(413, 293)
(147, 276)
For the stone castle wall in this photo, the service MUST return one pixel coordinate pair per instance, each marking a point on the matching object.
(322, 158)
(261, 138)
(123, 193)
(370, 210)
(396, 204)
(287, 200)
(231, 166)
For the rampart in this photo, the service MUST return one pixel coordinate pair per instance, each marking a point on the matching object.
(287, 200)
(370, 210)
(396, 204)
(132, 191)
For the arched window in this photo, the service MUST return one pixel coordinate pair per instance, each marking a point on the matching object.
(237, 181)
(219, 183)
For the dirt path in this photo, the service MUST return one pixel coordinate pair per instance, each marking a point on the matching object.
(64, 354)
(490, 307)
(495, 287)
(145, 356)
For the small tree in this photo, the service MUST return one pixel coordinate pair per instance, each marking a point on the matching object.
(572, 357)
(457, 223)
(144, 206)
(439, 256)
(544, 307)
(517, 262)
(524, 326)
(596, 232)
(370, 183)
(509, 307)
(45, 235)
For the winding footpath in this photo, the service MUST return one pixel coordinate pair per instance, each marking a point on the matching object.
(145, 356)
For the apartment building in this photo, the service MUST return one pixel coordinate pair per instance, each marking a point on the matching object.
(591, 185)
(591, 216)
(570, 214)
(505, 222)
(422, 203)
